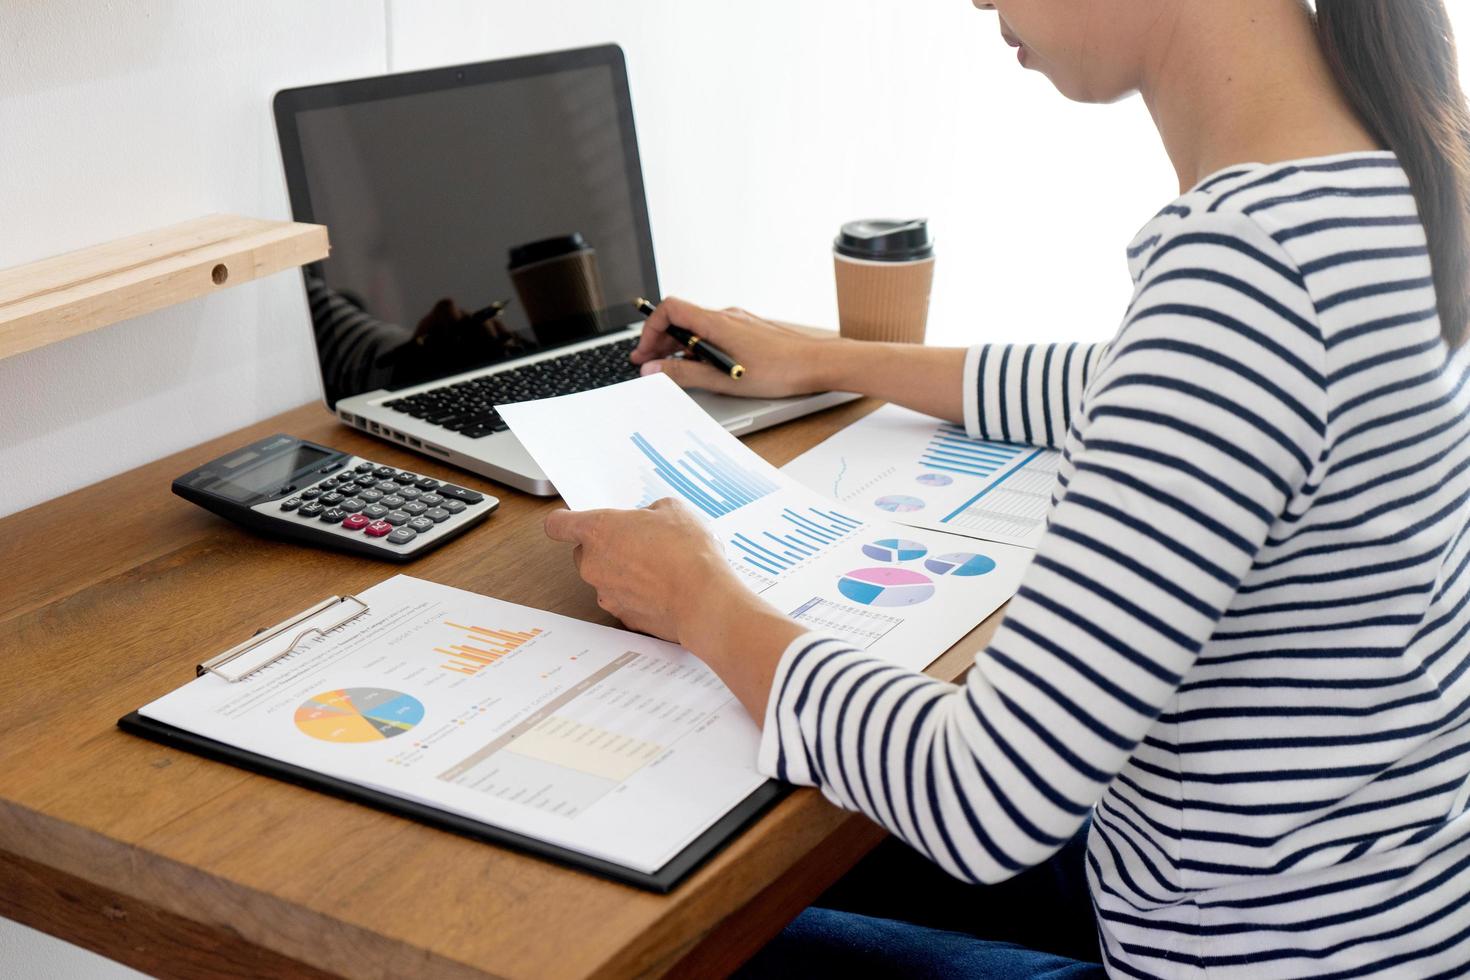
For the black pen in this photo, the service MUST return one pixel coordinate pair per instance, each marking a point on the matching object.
(698, 346)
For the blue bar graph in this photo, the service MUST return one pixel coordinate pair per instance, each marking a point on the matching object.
(705, 477)
(801, 537)
(951, 451)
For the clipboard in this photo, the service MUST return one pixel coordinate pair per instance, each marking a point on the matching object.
(266, 647)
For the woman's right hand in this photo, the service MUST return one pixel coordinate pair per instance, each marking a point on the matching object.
(779, 359)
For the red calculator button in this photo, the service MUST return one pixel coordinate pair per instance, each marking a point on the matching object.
(378, 528)
(356, 522)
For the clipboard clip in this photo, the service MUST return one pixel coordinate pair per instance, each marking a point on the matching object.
(320, 619)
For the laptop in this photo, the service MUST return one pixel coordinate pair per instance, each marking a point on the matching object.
(489, 238)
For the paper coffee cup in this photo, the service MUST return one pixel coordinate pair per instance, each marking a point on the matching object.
(559, 287)
(885, 272)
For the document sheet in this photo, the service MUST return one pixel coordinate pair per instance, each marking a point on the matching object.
(608, 743)
(902, 593)
(924, 472)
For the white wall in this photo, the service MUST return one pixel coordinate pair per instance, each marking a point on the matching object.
(763, 124)
(116, 117)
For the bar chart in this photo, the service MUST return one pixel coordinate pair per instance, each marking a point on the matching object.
(593, 736)
(704, 476)
(1014, 506)
(802, 536)
(951, 451)
(481, 647)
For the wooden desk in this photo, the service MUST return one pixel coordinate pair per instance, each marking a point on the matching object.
(183, 867)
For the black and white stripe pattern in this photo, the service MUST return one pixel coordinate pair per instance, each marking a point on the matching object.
(355, 347)
(1243, 643)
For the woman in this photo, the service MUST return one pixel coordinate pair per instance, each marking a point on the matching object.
(1241, 650)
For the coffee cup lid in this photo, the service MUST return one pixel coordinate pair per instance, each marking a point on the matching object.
(885, 239)
(546, 248)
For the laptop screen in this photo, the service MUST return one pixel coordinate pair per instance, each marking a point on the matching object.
(476, 215)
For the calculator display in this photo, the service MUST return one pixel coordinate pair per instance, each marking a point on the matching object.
(265, 477)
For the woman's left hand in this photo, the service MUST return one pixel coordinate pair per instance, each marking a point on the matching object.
(661, 572)
(652, 568)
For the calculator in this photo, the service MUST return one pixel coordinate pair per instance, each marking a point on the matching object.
(290, 488)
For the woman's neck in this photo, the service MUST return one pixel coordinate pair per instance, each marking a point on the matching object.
(1245, 81)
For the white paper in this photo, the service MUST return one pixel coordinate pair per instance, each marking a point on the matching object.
(606, 742)
(901, 593)
(924, 472)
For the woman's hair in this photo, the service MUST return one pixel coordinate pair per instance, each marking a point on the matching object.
(1396, 61)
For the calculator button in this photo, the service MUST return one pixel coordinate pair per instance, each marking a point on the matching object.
(310, 493)
(438, 515)
(365, 467)
(405, 477)
(332, 498)
(410, 493)
(431, 499)
(421, 524)
(369, 496)
(392, 501)
(333, 515)
(310, 509)
(397, 517)
(353, 504)
(425, 484)
(402, 535)
(460, 493)
(385, 472)
(378, 529)
(355, 522)
(291, 503)
(453, 506)
(414, 508)
(387, 486)
(375, 511)
(366, 480)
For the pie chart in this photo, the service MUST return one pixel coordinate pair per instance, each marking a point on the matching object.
(359, 714)
(934, 480)
(960, 563)
(899, 503)
(886, 587)
(895, 549)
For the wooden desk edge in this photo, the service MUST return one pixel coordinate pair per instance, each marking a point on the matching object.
(64, 879)
(48, 872)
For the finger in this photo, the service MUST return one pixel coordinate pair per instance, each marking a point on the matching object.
(687, 373)
(655, 341)
(670, 505)
(568, 526)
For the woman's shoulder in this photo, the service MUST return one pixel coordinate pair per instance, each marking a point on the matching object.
(1306, 208)
(1288, 201)
(1301, 221)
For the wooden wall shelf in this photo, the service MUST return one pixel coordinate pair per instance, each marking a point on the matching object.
(53, 299)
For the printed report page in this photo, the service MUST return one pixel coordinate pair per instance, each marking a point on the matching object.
(613, 744)
(902, 593)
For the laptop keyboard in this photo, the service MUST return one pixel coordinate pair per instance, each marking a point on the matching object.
(468, 407)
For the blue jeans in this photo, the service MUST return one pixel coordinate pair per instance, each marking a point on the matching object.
(898, 915)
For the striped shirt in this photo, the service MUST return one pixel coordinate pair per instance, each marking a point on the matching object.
(1243, 642)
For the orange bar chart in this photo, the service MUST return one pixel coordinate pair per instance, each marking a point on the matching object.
(481, 647)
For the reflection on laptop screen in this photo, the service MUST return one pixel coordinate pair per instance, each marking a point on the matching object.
(470, 225)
